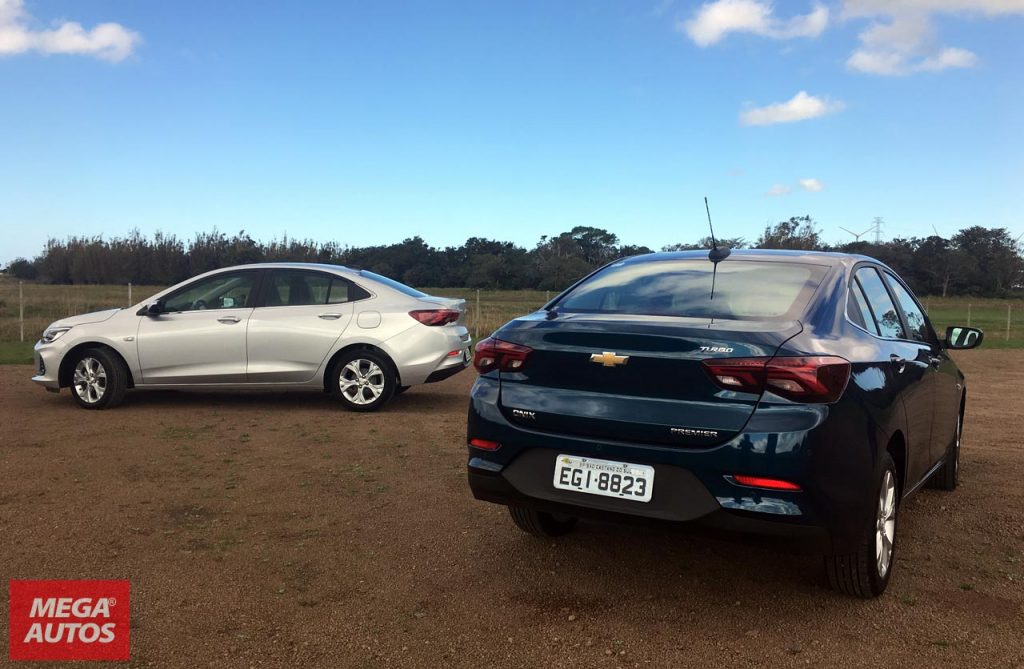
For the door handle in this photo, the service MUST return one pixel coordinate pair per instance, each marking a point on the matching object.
(329, 317)
(228, 319)
(900, 362)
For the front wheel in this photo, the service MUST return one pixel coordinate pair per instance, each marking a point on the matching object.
(948, 475)
(99, 379)
(363, 380)
(866, 572)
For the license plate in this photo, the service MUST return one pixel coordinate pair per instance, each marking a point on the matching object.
(604, 477)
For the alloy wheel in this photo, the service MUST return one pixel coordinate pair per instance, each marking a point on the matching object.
(90, 380)
(361, 381)
(885, 526)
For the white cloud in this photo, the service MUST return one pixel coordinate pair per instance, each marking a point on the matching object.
(714, 20)
(778, 189)
(108, 41)
(800, 108)
(812, 185)
(902, 38)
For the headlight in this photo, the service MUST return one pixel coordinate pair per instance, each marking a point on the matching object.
(53, 334)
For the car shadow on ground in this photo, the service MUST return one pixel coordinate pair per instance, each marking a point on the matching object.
(413, 401)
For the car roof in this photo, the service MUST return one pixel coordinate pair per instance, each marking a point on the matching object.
(828, 258)
(341, 269)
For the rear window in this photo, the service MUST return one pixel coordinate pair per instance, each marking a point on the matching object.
(743, 289)
(391, 283)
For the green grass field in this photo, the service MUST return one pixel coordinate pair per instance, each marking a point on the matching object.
(44, 304)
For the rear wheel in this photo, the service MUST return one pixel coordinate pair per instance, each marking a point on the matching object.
(540, 523)
(948, 475)
(363, 380)
(866, 572)
(99, 379)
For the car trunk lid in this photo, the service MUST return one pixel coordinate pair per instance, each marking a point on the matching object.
(633, 378)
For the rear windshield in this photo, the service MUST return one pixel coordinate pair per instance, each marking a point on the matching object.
(743, 289)
(391, 283)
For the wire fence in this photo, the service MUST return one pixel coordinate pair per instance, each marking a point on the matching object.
(27, 308)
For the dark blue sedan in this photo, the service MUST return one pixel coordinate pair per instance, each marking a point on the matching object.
(795, 394)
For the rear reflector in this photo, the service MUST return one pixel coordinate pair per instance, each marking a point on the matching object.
(484, 444)
(435, 316)
(761, 482)
(812, 378)
(504, 356)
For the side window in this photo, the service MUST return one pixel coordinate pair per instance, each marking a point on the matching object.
(296, 288)
(222, 291)
(916, 322)
(858, 311)
(345, 291)
(886, 316)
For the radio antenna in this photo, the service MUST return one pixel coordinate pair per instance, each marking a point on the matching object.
(716, 255)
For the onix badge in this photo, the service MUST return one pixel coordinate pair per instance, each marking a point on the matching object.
(609, 359)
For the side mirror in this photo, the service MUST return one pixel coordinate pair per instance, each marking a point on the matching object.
(155, 308)
(959, 337)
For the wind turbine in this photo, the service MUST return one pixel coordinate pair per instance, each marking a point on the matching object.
(857, 235)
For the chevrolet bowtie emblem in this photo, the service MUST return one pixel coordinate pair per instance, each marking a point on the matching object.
(609, 359)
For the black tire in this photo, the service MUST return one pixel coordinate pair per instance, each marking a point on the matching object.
(401, 389)
(540, 523)
(99, 379)
(861, 573)
(948, 475)
(368, 390)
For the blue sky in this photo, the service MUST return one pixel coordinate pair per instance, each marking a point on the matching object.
(371, 122)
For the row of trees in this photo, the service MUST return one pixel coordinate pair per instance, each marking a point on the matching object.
(975, 261)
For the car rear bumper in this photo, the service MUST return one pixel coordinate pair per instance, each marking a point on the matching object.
(691, 485)
(428, 354)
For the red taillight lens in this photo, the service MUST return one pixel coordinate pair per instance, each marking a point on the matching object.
(504, 356)
(484, 444)
(435, 316)
(815, 378)
(761, 482)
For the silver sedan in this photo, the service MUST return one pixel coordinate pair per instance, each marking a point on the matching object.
(275, 326)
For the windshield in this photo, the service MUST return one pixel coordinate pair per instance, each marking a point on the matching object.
(391, 283)
(743, 289)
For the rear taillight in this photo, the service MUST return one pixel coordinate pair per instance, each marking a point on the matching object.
(435, 316)
(815, 378)
(484, 444)
(492, 354)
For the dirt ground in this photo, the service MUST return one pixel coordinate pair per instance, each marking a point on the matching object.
(279, 530)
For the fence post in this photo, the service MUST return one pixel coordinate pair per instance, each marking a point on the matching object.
(21, 308)
(477, 335)
(968, 314)
(1007, 322)
(129, 293)
(547, 296)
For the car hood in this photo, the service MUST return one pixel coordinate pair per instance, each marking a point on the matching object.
(84, 319)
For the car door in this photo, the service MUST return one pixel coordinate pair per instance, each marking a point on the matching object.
(910, 368)
(299, 317)
(942, 377)
(199, 335)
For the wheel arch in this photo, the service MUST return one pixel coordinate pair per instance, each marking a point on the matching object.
(67, 362)
(897, 450)
(364, 346)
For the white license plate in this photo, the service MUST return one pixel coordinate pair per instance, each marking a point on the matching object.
(604, 477)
